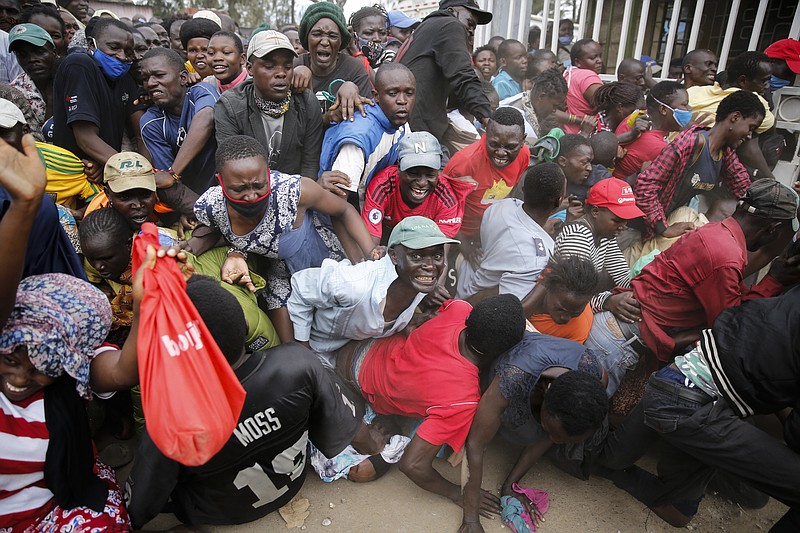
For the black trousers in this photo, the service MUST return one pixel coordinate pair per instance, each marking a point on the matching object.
(700, 435)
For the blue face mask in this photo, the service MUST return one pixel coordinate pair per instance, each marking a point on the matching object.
(113, 67)
(565, 40)
(681, 116)
(776, 83)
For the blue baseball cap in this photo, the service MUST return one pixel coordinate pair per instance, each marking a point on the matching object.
(401, 20)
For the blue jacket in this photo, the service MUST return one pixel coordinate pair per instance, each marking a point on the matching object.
(366, 133)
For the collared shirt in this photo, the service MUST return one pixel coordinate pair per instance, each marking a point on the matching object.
(164, 133)
(515, 251)
(505, 85)
(688, 285)
(339, 301)
(706, 99)
(656, 187)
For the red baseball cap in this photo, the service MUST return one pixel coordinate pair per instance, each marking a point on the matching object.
(788, 50)
(617, 196)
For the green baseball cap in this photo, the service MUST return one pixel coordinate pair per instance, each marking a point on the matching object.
(29, 33)
(417, 233)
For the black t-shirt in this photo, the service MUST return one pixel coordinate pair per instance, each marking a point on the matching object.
(348, 68)
(291, 398)
(82, 92)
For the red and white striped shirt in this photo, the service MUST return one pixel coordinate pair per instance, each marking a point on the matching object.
(24, 498)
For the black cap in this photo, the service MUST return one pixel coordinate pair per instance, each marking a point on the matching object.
(483, 17)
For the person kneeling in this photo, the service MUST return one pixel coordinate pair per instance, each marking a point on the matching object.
(291, 399)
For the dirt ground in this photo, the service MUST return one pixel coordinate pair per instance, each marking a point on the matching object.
(395, 504)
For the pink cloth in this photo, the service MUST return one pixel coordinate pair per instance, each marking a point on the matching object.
(539, 498)
(236, 81)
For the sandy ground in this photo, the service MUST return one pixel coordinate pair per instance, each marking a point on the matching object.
(395, 504)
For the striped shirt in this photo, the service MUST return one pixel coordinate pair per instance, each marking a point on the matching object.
(24, 498)
(577, 240)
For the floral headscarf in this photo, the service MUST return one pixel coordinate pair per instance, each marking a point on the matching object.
(61, 320)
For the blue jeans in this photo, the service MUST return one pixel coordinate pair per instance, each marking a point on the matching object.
(615, 354)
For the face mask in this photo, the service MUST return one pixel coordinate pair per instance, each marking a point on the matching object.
(113, 67)
(681, 116)
(371, 50)
(776, 83)
(244, 208)
(565, 40)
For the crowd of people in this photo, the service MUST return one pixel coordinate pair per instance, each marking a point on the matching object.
(403, 245)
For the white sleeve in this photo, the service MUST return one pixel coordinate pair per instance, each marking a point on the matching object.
(351, 161)
(334, 284)
(98, 351)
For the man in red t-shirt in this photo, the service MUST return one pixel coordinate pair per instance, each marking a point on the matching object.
(414, 187)
(433, 374)
(496, 162)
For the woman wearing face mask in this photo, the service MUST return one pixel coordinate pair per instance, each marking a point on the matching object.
(274, 220)
(370, 26)
(668, 109)
(566, 31)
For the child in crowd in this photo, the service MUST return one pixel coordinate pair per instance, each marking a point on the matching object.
(582, 82)
(226, 54)
(512, 59)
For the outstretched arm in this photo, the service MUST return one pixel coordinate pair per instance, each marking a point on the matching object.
(23, 176)
(484, 428)
(417, 464)
(313, 196)
(115, 370)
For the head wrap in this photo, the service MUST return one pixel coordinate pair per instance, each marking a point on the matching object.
(60, 319)
(322, 10)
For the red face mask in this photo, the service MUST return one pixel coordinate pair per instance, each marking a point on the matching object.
(248, 209)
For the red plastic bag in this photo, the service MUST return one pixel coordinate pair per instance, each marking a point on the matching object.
(190, 395)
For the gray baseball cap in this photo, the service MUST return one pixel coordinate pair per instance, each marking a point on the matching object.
(419, 149)
(767, 198)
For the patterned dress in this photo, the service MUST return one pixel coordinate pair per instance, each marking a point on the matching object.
(264, 240)
(24, 84)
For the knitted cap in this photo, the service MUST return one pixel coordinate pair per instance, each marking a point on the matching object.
(322, 10)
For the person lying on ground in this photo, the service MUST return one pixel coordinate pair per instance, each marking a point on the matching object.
(433, 374)
(291, 399)
(545, 391)
(339, 301)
